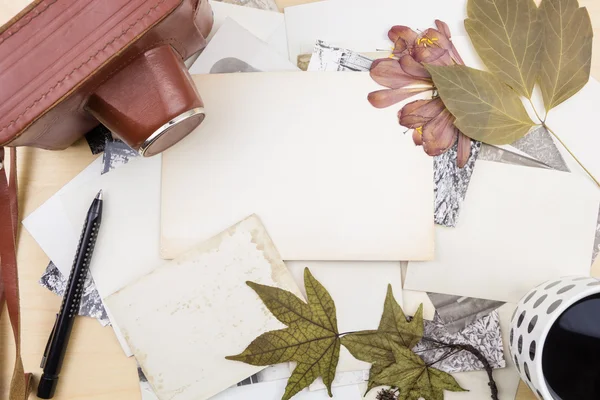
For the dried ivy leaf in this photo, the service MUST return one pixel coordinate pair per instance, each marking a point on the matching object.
(414, 378)
(485, 108)
(311, 338)
(375, 347)
(507, 35)
(567, 50)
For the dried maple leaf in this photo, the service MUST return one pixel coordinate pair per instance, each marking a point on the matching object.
(415, 379)
(376, 347)
(311, 338)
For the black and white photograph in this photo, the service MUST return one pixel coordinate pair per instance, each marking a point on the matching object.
(539, 144)
(458, 312)
(231, 65)
(271, 373)
(330, 58)
(91, 303)
(116, 153)
(451, 184)
(97, 138)
(269, 5)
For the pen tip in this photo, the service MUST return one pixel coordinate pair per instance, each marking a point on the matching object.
(99, 195)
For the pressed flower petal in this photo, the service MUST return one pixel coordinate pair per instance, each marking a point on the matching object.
(402, 32)
(455, 56)
(420, 112)
(427, 54)
(444, 60)
(387, 97)
(432, 55)
(409, 115)
(439, 134)
(403, 38)
(436, 38)
(418, 136)
(412, 67)
(377, 61)
(389, 73)
(400, 48)
(464, 150)
(443, 28)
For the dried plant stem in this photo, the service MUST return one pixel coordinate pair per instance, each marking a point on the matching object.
(571, 153)
(542, 121)
(456, 348)
(471, 349)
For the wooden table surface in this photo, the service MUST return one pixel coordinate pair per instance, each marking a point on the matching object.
(95, 367)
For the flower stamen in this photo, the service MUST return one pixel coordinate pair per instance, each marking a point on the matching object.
(404, 75)
(425, 41)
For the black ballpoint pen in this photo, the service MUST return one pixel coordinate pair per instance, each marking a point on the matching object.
(59, 337)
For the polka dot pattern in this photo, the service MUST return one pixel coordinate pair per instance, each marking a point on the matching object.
(554, 306)
(532, 324)
(550, 286)
(526, 368)
(532, 351)
(521, 318)
(539, 301)
(529, 296)
(532, 318)
(565, 289)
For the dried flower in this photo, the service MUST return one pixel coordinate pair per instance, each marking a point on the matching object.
(387, 394)
(405, 76)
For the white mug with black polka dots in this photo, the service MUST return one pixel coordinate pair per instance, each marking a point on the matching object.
(555, 339)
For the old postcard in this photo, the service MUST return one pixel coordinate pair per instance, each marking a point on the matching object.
(314, 184)
(268, 26)
(132, 194)
(203, 297)
(519, 227)
(235, 49)
(450, 182)
(51, 228)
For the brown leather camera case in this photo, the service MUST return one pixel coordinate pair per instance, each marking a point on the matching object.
(66, 65)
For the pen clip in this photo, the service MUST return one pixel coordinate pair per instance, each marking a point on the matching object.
(47, 349)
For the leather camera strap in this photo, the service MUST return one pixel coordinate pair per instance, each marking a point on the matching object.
(20, 385)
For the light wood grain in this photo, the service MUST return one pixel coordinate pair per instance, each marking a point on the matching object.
(10, 8)
(95, 367)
